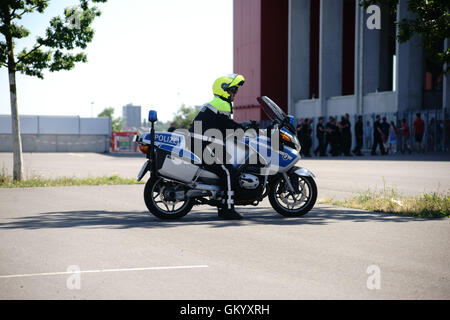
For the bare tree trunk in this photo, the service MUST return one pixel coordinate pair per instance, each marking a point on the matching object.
(16, 139)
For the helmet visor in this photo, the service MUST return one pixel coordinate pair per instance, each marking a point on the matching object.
(238, 80)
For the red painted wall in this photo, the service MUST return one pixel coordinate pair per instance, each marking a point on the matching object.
(260, 54)
(274, 48)
(247, 57)
(261, 41)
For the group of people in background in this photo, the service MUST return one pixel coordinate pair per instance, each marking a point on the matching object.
(335, 137)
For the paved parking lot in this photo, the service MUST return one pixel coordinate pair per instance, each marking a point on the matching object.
(124, 253)
(336, 177)
(100, 242)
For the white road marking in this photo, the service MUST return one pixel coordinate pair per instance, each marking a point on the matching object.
(98, 271)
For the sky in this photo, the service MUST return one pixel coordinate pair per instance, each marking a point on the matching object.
(152, 53)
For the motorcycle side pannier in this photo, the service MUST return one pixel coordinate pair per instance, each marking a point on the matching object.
(174, 167)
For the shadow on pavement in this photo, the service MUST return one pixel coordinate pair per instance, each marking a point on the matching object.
(322, 215)
(125, 155)
(431, 156)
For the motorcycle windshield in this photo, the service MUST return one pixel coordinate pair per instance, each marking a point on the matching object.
(271, 109)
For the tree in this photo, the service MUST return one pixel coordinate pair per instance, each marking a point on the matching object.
(431, 20)
(116, 123)
(184, 116)
(53, 51)
(161, 126)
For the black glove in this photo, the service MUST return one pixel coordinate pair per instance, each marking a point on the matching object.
(250, 125)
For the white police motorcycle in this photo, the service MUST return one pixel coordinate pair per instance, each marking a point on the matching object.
(178, 181)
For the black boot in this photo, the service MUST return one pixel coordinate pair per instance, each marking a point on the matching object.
(229, 214)
(227, 211)
(221, 211)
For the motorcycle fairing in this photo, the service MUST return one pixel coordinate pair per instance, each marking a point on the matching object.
(279, 161)
(174, 143)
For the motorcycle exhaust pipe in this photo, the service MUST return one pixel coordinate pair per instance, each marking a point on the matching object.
(206, 187)
(197, 193)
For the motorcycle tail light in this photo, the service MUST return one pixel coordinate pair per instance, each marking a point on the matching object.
(143, 149)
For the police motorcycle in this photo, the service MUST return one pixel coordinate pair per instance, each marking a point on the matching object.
(178, 180)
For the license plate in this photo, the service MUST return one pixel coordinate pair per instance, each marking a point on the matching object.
(143, 171)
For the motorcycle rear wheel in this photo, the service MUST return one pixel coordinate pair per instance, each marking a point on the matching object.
(154, 195)
(303, 202)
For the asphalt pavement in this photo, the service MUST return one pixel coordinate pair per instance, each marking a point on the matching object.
(338, 178)
(100, 242)
(122, 252)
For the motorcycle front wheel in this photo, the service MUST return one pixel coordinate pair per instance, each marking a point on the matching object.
(293, 204)
(160, 201)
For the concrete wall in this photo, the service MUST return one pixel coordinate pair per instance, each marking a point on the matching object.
(330, 53)
(409, 67)
(380, 102)
(307, 108)
(58, 134)
(341, 105)
(371, 58)
(57, 143)
(57, 125)
(299, 39)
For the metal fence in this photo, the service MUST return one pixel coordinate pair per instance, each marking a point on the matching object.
(436, 136)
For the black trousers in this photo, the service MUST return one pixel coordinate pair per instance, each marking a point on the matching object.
(228, 178)
(378, 141)
(359, 143)
(321, 148)
(226, 172)
(306, 145)
(346, 144)
(331, 140)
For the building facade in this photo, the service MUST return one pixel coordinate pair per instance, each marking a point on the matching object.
(331, 57)
(131, 116)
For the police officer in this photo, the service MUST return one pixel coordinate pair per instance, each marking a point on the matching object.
(331, 136)
(320, 134)
(346, 135)
(377, 137)
(217, 115)
(359, 136)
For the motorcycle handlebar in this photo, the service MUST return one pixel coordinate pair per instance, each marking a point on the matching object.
(252, 124)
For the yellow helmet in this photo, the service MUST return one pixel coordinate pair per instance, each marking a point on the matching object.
(229, 83)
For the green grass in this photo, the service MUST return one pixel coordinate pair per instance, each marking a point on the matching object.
(7, 181)
(428, 205)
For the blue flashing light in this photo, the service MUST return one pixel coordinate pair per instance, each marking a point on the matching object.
(152, 116)
(291, 120)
